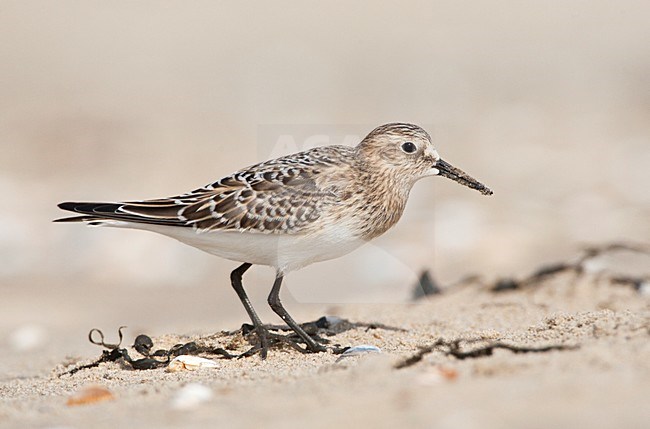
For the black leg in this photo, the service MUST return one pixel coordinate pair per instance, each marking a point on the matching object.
(235, 279)
(276, 305)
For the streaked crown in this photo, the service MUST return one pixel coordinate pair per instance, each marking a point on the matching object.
(401, 149)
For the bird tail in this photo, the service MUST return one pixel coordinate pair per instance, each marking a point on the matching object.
(92, 213)
(158, 212)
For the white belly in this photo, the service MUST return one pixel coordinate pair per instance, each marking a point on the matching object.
(284, 252)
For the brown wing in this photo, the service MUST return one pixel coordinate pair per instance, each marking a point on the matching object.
(284, 200)
(282, 195)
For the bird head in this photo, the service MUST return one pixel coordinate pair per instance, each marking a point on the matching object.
(406, 151)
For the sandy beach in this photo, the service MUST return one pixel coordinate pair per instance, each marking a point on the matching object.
(598, 380)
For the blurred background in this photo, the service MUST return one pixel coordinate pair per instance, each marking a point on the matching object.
(548, 103)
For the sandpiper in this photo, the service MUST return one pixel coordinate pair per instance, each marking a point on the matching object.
(291, 211)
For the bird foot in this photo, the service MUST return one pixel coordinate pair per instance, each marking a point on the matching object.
(263, 340)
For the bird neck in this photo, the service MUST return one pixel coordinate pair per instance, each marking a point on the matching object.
(384, 200)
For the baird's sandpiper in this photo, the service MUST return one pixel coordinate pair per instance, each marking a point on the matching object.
(291, 211)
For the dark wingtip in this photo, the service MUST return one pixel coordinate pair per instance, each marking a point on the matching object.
(70, 219)
(86, 209)
(69, 206)
(90, 208)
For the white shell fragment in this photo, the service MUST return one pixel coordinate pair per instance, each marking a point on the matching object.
(358, 350)
(190, 363)
(191, 396)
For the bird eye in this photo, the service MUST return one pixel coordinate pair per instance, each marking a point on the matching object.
(409, 147)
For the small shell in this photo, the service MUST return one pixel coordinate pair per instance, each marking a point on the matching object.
(191, 396)
(190, 363)
(90, 395)
(358, 350)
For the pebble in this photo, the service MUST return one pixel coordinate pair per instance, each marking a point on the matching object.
(191, 396)
(437, 375)
(27, 338)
